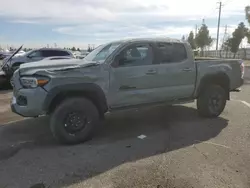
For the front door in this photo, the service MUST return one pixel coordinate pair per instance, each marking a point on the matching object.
(133, 76)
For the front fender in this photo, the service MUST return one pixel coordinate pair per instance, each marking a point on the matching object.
(79, 88)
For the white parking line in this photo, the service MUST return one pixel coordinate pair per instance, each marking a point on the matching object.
(243, 102)
(246, 103)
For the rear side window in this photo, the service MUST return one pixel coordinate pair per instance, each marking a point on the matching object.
(171, 52)
(50, 53)
(62, 53)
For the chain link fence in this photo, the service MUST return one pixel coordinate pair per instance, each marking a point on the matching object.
(243, 53)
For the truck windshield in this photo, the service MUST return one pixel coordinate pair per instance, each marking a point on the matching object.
(102, 52)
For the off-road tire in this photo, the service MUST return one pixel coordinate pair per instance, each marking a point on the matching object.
(204, 105)
(77, 104)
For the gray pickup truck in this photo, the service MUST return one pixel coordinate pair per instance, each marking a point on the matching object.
(118, 75)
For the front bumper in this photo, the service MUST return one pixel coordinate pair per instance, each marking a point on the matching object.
(34, 102)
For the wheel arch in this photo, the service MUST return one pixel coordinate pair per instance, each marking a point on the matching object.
(219, 78)
(93, 92)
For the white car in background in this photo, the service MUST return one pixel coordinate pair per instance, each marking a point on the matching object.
(80, 54)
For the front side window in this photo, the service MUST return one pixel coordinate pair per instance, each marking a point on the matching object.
(35, 54)
(171, 52)
(136, 55)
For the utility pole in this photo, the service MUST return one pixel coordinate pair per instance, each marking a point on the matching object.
(196, 28)
(225, 34)
(218, 27)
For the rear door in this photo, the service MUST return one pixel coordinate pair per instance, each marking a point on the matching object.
(176, 71)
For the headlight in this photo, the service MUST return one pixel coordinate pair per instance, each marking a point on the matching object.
(33, 82)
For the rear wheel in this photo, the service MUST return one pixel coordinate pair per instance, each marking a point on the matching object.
(74, 120)
(212, 101)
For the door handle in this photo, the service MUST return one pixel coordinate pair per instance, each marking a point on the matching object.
(151, 72)
(186, 69)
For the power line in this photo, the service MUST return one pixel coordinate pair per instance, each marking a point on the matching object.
(228, 1)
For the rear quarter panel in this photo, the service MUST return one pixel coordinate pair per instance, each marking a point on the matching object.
(212, 67)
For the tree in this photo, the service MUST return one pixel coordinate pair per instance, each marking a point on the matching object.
(73, 48)
(89, 48)
(226, 46)
(191, 40)
(239, 33)
(183, 38)
(247, 12)
(203, 39)
(78, 49)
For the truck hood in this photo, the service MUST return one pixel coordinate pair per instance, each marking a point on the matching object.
(54, 65)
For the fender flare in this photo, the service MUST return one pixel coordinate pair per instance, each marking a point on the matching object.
(79, 89)
(219, 78)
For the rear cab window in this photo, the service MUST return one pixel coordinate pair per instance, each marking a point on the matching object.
(171, 52)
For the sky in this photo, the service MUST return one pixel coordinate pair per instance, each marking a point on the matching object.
(68, 23)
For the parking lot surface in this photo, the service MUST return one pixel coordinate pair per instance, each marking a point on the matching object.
(180, 149)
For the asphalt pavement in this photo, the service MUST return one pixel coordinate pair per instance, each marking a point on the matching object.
(180, 149)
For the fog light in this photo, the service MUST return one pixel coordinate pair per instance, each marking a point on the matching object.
(21, 100)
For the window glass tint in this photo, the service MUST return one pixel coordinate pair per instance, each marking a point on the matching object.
(136, 55)
(172, 52)
(61, 53)
(48, 53)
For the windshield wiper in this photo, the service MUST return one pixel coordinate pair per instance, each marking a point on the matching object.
(6, 62)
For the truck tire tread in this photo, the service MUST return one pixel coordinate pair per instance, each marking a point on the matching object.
(204, 97)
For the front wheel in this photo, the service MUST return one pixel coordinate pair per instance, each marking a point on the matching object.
(212, 101)
(74, 120)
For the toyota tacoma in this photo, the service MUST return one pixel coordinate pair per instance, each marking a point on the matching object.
(76, 93)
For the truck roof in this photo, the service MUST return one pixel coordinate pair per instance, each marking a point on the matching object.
(155, 39)
(59, 49)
